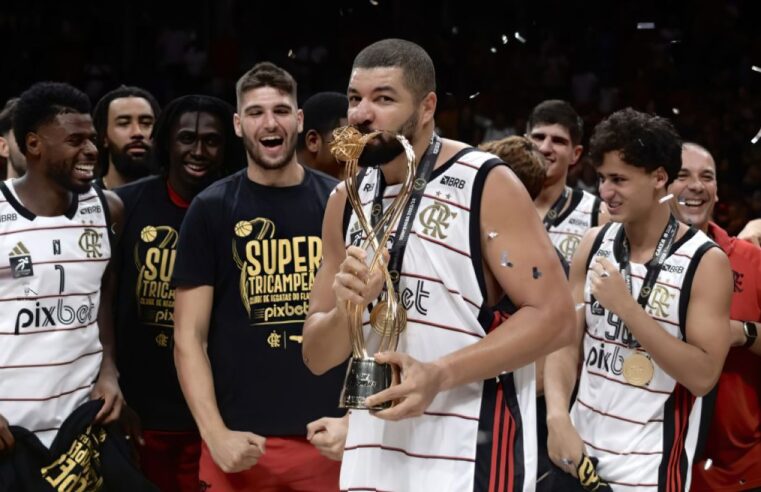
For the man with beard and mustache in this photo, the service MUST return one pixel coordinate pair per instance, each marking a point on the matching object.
(734, 440)
(195, 144)
(464, 417)
(56, 236)
(248, 251)
(16, 162)
(124, 120)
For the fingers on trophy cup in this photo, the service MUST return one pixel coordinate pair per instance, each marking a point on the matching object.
(388, 318)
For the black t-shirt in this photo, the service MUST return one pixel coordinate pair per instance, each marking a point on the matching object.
(145, 305)
(260, 247)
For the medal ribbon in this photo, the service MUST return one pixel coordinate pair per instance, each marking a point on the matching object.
(621, 244)
(404, 228)
(553, 214)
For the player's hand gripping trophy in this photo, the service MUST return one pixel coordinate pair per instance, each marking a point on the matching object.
(388, 318)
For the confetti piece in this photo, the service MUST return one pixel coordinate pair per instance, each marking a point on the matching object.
(675, 110)
(374, 3)
(645, 25)
(536, 273)
(290, 54)
(755, 139)
(666, 198)
(492, 234)
(519, 37)
(505, 39)
(473, 96)
(641, 142)
(756, 68)
(503, 261)
(493, 49)
(455, 30)
(709, 463)
(580, 306)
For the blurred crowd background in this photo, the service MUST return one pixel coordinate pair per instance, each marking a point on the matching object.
(696, 62)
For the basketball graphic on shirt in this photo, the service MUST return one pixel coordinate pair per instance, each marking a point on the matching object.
(148, 234)
(154, 257)
(243, 228)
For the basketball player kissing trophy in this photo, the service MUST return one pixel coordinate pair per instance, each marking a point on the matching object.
(388, 317)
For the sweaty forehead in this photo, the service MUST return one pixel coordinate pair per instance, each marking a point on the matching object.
(377, 78)
(68, 123)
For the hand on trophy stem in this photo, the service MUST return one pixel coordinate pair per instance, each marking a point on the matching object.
(420, 383)
(355, 282)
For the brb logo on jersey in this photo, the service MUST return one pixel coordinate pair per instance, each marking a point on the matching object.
(21, 261)
(276, 274)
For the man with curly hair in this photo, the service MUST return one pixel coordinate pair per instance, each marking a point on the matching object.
(55, 234)
(655, 328)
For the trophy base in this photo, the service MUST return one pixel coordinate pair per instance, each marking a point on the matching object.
(365, 377)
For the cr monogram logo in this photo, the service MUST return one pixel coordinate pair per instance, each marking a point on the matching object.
(568, 246)
(90, 242)
(660, 301)
(435, 219)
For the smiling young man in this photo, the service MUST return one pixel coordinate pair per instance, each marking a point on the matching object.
(464, 417)
(56, 349)
(655, 329)
(124, 121)
(195, 144)
(734, 440)
(248, 252)
(567, 213)
(556, 129)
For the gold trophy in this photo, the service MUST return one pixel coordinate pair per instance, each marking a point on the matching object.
(388, 318)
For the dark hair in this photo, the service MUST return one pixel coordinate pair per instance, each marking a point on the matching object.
(322, 113)
(7, 114)
(265, 74)
(520, 154)
(557, 112)
(416, 65)
(644, 140)
(234, 154)
(100, 117)
(41, 103)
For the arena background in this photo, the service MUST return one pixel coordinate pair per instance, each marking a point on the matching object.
(697, 62)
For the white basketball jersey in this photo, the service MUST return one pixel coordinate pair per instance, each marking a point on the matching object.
(471, 436)
(645, 437)
(50, 279)
(580, 216)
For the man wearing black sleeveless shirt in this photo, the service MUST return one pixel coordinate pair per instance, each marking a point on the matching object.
(194, 138)
(248, 252)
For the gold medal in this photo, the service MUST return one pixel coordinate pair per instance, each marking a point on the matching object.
(638, 369)
(387, 327)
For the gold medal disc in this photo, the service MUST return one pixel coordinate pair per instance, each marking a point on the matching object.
(384, 327)
(638, 369)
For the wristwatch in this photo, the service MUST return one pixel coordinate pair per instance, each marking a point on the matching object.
(749, 328)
